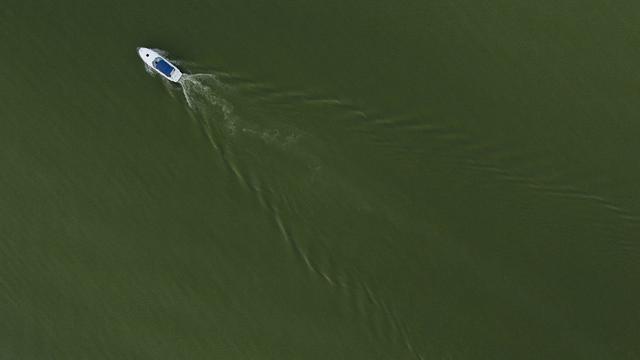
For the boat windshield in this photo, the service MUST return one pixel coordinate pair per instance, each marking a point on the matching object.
(163, 66)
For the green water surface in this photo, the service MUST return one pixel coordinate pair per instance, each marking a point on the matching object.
(333, 180)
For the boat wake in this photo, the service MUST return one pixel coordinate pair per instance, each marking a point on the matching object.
(223, 111)
(257, 131)
(215, 113)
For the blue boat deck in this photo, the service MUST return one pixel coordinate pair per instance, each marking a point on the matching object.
(163, 66)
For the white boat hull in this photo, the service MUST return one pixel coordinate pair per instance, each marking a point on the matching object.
(159, 64)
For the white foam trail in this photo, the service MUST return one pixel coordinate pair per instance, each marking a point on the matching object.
(214, 101)
(202, 94)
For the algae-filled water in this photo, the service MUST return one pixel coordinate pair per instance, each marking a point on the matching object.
(331, 180)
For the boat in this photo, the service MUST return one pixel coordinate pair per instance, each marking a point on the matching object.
(159, 64)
